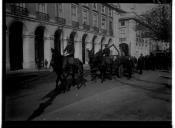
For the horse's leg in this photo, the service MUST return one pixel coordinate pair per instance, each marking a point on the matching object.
(73, 76)
(64, 85)
(110, 68)
(104, 70)
(102, 74)
(57, 79)
(92, 74)
(81, 71)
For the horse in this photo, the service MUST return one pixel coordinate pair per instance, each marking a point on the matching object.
(100, 63)
(63, 73)
(94, 62)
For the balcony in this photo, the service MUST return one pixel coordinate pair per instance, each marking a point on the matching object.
(75, 24)
(42, 16)
(103, 31)
(17, 10)
(86, 27)
(60, 20)
(95, 29)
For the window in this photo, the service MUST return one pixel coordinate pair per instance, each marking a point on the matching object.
(20, 5)
(59, 10)
(103, 22)
(85, 4)
(122, 31)
(42, 8)
(94, 6)
(103, 9)
(110, 25)
(95, 19)
(122, 23)
(137, 40)
(110, 12)
(74, 13)
(85, 16)
(122, 40)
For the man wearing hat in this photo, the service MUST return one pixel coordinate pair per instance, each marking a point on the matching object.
(69, 53)
(106, 50)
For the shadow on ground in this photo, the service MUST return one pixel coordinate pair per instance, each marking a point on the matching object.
(52, 95)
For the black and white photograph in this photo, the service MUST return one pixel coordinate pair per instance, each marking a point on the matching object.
(87, 62)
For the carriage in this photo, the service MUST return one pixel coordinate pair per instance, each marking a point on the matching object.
(118, 65)
(111, 65)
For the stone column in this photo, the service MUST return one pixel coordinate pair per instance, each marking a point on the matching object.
(88, 46)
(28, 52)
(64, 44)
(48, 44)
(7, 52)
(80, 51)
(77, 49)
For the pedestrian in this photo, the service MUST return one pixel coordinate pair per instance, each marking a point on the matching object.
(140, 64)
(129, 66)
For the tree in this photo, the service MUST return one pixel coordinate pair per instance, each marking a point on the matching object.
(158, 22)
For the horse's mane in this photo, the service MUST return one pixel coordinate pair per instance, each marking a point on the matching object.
(98, 54)
(57, 57)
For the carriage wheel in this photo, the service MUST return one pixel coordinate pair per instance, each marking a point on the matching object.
(120, 71)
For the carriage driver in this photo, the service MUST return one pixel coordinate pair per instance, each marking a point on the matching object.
(69, 53)
(106, 50)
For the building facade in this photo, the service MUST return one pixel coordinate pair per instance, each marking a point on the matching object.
(32, 29)
(132, 37)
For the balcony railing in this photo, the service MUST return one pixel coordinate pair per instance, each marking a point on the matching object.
(42, 16)
(103, 31)
(86, 27)
(75, 24)
(95, 29)
(17, 10)
(60, 20)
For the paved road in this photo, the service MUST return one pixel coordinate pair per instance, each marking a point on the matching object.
(144, 97)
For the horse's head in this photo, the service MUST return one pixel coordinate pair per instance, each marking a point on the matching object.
(56, 57)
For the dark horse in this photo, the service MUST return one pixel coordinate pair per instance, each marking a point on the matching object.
(98, 62)
(70, 69)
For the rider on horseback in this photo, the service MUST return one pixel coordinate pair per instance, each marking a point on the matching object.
(106, 50)
(69, 54)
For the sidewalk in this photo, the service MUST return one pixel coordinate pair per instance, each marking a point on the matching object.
(23, 71)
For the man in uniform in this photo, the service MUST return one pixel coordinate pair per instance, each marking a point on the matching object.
(106, 51)
(69, 53)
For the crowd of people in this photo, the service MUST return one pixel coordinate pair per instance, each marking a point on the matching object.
(156, 61)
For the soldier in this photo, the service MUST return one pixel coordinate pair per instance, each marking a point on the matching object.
(106, 50)
(69, 53)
